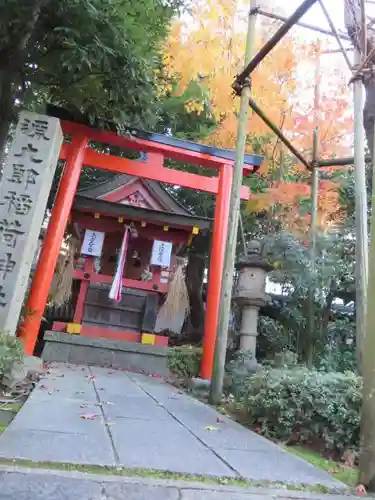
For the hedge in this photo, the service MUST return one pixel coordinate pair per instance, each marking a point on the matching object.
(304, 406)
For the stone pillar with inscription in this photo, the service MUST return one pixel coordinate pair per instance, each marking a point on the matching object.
(24, 190)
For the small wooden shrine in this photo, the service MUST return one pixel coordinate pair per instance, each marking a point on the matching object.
(132, 233)
(159, 228)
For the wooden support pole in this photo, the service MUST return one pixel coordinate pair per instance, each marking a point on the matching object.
(361, 248)
(313, 231)
(367, 441)
(338, 162)
(219, 237)
(314, 216)
(43, 276)
(276, 130)
(234, 210)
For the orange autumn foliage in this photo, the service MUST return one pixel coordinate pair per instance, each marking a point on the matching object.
(282, 198)
(208, 46)
(334, 121)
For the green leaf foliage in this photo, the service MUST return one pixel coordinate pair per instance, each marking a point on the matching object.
(333, 277)
(96, 57)
(184, 362)
(11, 352)
(297, 405)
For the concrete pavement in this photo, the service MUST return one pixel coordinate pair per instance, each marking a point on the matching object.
(97, 416)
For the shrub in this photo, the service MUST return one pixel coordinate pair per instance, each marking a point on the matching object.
(11, 352)
(185, 361)
(338, 360)
(273, 337)
(338, 353)
(304, 406)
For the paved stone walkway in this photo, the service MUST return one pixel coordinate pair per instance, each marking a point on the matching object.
(98, 416)
(34, 484)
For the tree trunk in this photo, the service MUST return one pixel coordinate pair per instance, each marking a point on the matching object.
(194, 278)
(194, 282)
(12, 60)
(326, 314)
(369, 113)
(6, 112)
(305, 341)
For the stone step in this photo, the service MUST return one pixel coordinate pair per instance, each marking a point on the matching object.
(62, 347)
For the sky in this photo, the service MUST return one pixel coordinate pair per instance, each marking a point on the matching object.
(330, 63)
(316, 17)
(315, 14)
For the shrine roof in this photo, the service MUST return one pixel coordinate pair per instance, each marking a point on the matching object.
(166, 201)
(63, 114)
(112, 209)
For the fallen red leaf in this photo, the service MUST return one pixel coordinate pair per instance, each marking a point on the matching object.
(360, 491)
(89, 416)
(91, 377)
(220, 420)
(333, 471)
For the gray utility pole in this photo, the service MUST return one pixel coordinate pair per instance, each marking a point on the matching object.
(234, 210)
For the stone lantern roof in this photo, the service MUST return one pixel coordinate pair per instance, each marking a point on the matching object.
(254, 257)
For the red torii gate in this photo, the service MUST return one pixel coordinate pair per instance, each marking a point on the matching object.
(78, 153)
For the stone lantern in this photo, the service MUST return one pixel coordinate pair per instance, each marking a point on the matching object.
(250, 296)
